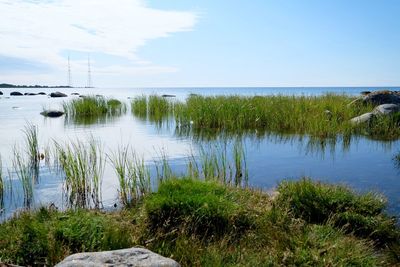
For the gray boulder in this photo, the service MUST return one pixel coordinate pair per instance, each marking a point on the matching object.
(382, 97)
(52, 113)
(16, 94)
(124, 257)
(366, 117)
(58, 94)
(386, 109)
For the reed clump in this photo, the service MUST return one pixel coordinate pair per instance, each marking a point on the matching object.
(93, 107)
(323, 116)
(31, 139)
(133, 176)
(82, 166)
(155, 108)
(214, 164)
(26, 175)
(139, 106)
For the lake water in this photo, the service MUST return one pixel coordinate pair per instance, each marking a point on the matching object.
(363, 164)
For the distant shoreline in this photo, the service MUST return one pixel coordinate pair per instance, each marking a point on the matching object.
(6, 85)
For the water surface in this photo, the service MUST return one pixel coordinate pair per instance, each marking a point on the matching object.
(362, 163)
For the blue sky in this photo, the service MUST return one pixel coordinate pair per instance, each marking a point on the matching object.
(137, 43)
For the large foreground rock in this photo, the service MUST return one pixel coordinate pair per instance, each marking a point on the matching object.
(58, 94)
(52, 113)
(382, 97)
(134, 257)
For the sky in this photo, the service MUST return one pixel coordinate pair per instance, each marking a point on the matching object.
(192, 43)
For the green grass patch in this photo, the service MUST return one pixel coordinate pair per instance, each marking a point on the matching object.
(204, 223)
(45, 237)
(204, 208)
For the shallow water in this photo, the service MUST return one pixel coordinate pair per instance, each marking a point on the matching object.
(362, 164)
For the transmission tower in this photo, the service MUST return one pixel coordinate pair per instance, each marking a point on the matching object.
(89, 79)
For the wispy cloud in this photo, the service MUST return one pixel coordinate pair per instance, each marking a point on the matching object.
(39, 31)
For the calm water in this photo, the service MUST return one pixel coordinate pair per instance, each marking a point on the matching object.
(362, 164)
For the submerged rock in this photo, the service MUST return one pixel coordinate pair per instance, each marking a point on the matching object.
(16, 94)
(30, 94)
(168, 95)
(52, 113)
(58, 94)
(124, 257)
(382, 97)
(1, 93)
(42, 93)
(75, 94)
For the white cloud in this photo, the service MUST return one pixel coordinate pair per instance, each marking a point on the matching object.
(40, 30)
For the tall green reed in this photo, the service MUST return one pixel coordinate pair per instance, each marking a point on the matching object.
(133, 175)
(163, 168)
(82, 165)
(24, 172)
(214, 163)
(31, 141)
(139, 106)
(155, 108)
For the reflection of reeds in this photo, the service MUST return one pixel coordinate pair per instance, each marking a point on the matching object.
(83, 167)
(133, 176)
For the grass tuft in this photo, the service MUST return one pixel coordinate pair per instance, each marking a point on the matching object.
(362, 215)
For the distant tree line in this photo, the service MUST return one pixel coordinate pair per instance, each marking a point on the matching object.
(7, 85)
